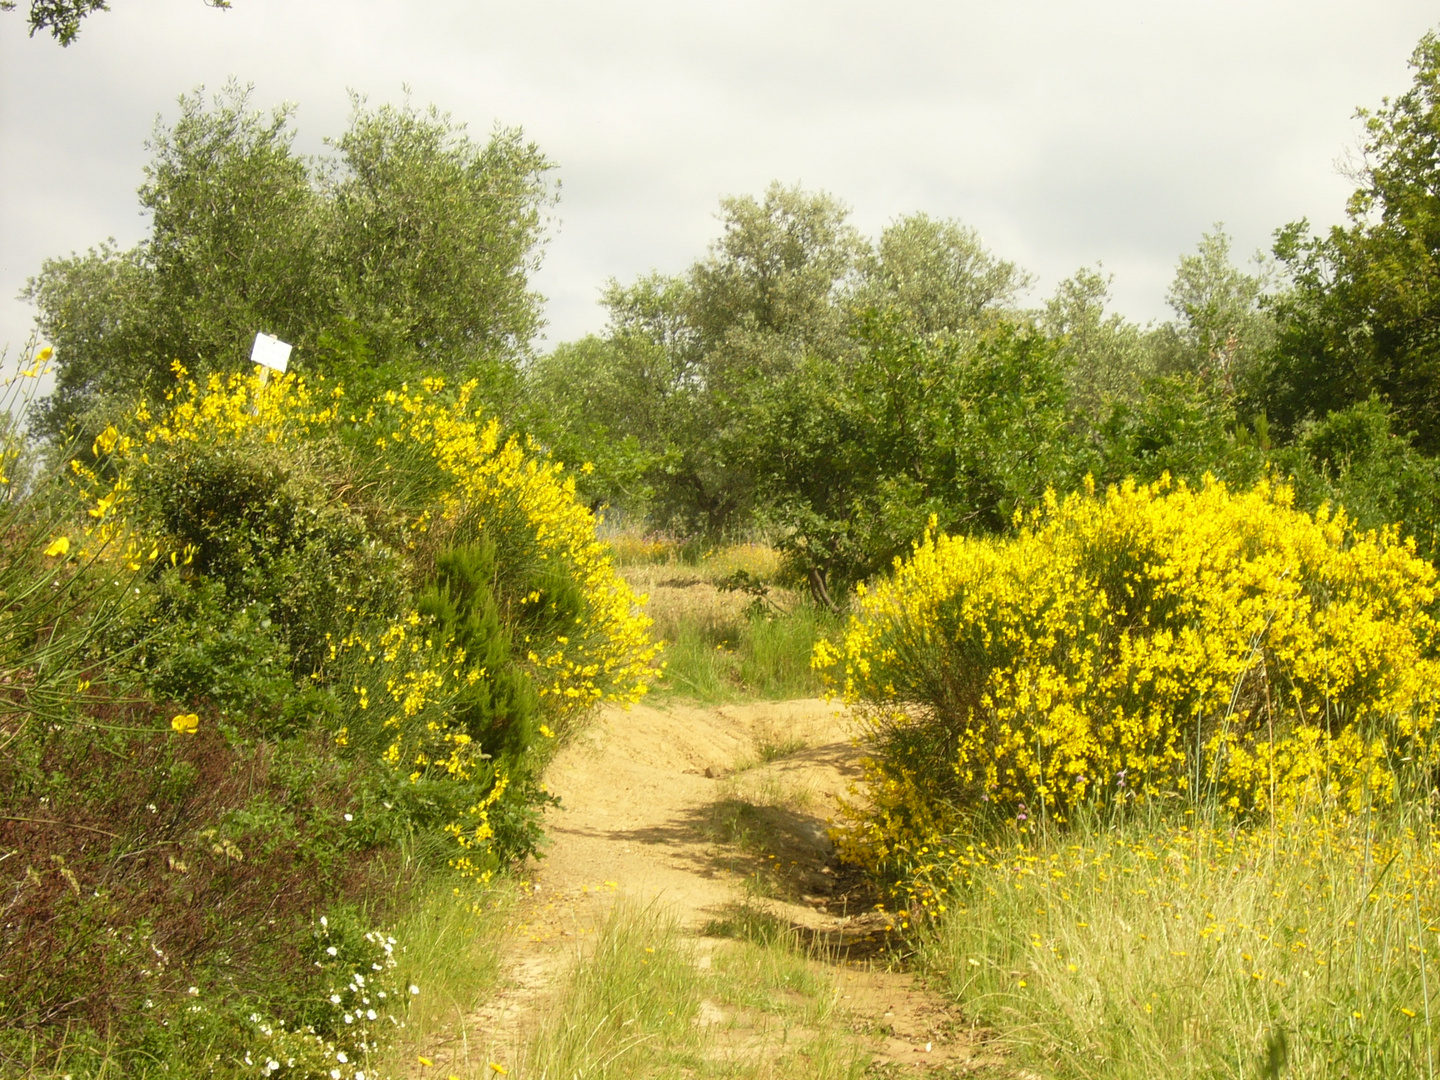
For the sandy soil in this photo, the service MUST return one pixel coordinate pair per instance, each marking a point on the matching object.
(701, 810)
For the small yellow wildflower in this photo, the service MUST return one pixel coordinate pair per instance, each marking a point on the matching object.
(58, 547)
(185, 723)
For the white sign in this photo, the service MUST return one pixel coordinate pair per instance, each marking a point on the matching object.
(269, 351)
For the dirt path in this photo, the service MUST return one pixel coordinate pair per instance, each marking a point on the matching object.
(708, 811)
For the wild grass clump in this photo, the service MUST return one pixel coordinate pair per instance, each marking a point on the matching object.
(1192, 948)
(635, 998)
(757, 655)
(449, 929)
(646, 1002)
(732, 630)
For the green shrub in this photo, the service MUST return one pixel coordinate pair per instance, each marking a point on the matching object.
(499, 709)
(246, 720)
(273, 565)
(1353, 458)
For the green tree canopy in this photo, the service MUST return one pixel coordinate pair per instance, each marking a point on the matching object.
(1106, 358)
(62, 17)
(936, 277)
(691, 364)
(1361, 316)
(1222, 329)
(850, 460)
(409, 248)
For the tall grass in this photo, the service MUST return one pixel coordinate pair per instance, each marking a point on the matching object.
(758, 655)
(448, 931)
(725, 645)
(646, 1003)
(1197, 950)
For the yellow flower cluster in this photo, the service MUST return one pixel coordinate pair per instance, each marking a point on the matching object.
(1153, 640)
(444, 468)
(233, 407)
(221, 410)
(414, 683)
(487, 483)
(480, 478)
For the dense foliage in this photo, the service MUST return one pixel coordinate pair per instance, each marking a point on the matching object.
(408, 251)
(834, 391)
(257, 647)
(1359, 318)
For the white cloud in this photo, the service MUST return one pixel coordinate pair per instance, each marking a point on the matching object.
(1067, 132)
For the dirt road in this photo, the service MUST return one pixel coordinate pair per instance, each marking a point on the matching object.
(707, 811)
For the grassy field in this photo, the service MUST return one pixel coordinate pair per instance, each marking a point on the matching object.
(725, 643)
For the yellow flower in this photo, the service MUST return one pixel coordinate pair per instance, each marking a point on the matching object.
(425, 1061)
(185, 723)
(501, 1069)
(545, 730)
(58, 547)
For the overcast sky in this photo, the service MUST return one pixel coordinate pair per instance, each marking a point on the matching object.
(1067, 132)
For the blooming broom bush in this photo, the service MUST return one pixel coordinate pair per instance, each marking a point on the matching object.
(1149, 641)
(307, 637)
(456, 481)
(552, 613)
(323, 534)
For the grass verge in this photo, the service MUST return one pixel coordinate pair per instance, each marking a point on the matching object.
(1195, 950)
(449, 933)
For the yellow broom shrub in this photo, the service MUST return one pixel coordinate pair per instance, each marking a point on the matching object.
(1145, 642)
(428, 462)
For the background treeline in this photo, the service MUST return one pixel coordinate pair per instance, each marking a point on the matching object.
(829, 389)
